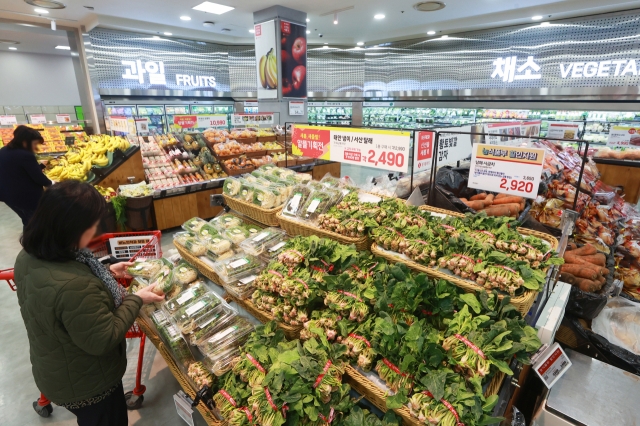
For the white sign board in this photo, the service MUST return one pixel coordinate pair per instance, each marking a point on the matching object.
(6, 120)
(251, 103)
(453, 147)
(552, 365)
(624, 137)
(530, 129)
(205, 121)
(142, 125)
(63, 118)
(296, 107)
(508, 170)
(119, 124)
(563, 130)
(251, 119)
(503, 133)
(38, 119)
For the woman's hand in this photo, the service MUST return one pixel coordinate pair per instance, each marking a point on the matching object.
(148, 296)
(119, 270)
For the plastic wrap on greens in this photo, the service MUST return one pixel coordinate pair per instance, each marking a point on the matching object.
(319, 202)
(185, 297)
(182, 237)
(232, 186)
(163, 280)
(185, 317)
(217, 246)
(247, 189)
(212, 322)
(145, 268)
(207, 232)
(177, 345)
(266, 197)
(183, 273)
(195, 247)
(237, 266)
(237, 234)
(330, 182)
(193, 224)
(226, 221)
(232, 336)
(298, 198)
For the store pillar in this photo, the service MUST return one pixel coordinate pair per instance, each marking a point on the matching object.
(281, 62)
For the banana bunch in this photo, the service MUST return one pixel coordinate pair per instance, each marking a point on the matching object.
(269, 70)
(69, 172)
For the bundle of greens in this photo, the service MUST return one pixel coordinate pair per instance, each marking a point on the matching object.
(232, 393)
(360, 417)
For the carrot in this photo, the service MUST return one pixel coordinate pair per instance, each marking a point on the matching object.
(500, 196)
(508, 200)
(567, 278)
(587, 285)
(522, 204)
(596, 259)
(480, 196)
(579, 271)
(489, 200)
(585, 250)
(476, 205)
(571, 246)
(502, 210)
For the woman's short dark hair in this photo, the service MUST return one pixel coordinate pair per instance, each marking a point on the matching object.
(24, 134)
(66, 210)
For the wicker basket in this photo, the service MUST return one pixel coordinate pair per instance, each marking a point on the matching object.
(199, 264)
(292, 332)
(377, 396)
(295, 227)
(264, 216)
(149, 330)
(208, 415)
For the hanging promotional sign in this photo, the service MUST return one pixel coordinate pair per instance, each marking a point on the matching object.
(6, 120)
(251, 119)
(509, 170)
(563, 130)
(38, 119)
(119, 124)
(624, 137)
(530, 129)
(294, 60)
(503, 133)
(296, 107)
(185, 121)
(381, 149)
(63, 118)
(266, 59)
(142, 125)
(453, 147)
(423, 154)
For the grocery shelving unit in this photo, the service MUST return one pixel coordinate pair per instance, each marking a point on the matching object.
(324, 113)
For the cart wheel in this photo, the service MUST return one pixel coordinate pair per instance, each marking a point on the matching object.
(133, 401)
(42, 411)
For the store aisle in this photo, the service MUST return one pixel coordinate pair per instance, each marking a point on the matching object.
(17, 388)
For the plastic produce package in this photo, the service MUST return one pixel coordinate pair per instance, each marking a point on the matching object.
(237, 234)
(258, 243)
(298, 198)
(208, 232)
(163, 280)
(184, 274)
(236, 267)
(145, 268)
(318, 203)
(234, 335)
(619, 323)
(185, 317)
(193, 224)
(221, 362)
(212, 322)
(184, 297)
(226, 221)
(177, 345)
(243, 288)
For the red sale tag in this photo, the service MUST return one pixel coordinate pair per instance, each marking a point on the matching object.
(185, 121)
(312, 143)
(425, 145)
(285, 27)
(258, 30)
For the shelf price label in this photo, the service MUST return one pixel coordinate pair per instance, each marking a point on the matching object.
(551, 365)
(205, 121)
(381, 149)
(38, 119)
(252, 119)
(6, 120)
(505, 169)
(63, 118)
(624, 137)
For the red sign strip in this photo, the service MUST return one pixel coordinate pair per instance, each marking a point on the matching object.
(355, 336)
(269, 399)
(351, 295)
(449, 407)
(228, 398)
(248, 413)
(256, 363)
(276, 273)
(393, 367)
(321, 376)
(470, 345)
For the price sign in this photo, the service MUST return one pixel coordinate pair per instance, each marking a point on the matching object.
(509, 170)
(624, 137)
(251, 119)
(552, 364)
(503, 133)
(119, 124)
(296, 108)
(185, 121)
(424, 151)
(183, 408)
(453, 147)
(251, 103)
(563, 130)
(530, 128)
(381, 149)
(205, 121)
(6, 120)
(63, 118)
(142, 125)
(38, 119)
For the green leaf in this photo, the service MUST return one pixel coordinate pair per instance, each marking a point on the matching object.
(471, 300)
(398, 400)
(434, 382)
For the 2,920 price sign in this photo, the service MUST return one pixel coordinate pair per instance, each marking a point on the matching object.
(505, 169)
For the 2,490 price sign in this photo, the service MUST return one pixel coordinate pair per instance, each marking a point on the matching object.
(385, 158)
(506, 169)
(382, 149)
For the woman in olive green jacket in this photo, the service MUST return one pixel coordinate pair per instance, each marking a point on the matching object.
(75, 312)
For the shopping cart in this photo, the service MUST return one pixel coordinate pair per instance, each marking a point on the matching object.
(151, 249)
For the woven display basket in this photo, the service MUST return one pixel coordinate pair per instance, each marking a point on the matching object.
(202, 267)
(264, 216)
(292, 332)
(208, 415)
(377, 396)
(149, 330)
(295, 227)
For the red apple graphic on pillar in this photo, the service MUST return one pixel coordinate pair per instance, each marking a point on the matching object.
(299, 50)
(286, 87)
(299, 73)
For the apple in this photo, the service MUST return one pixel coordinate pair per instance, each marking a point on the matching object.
(286, 87)
(284, 56)
(299, 50)
(299, 73)
(284, 41)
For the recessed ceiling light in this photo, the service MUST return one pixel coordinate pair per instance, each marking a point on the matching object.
(308, 20)
(308, 32)
(27, 25)
(208, 24)
(536, 18)
(214, 8)
(252, 31)
(156, 37)
(379, 16)
(63, 48)
(38, 10)
(545, 24)
(431, 32)
(360, 43)
(185, 18)
(13, 48)
(445, 36)
(428, 6)
(325, 47)
(47, 4)
(168, 34)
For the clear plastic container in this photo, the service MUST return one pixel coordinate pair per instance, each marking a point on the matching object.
(226, 221)
(220, 363)
(194, 224)
(194, 246)
(208, 232)
(274, 248)
(145, 268)
(159, 318)
(217, 246)
(298, 198)
(185, 317)
(236, 267)
(209, 324)
(253, 229)
(184, 273)
(163, 280)
(237, 234)
(266, 197)
(182, 237)
(257, 244)
(232, 336)
(184, 297)
(176, 344)
(243, 288)
(318, 203)
(232, 186)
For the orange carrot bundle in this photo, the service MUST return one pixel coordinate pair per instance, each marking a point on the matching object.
(489, 200)
(476, 205)
(501, 195)
(502, 210)
(478, 197)
(585, 250)
(579, 271)
(508, 200)
(589, 286)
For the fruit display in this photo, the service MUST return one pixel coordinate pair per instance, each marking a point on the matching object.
(107, 193)
(238, 165)
(242, 134)
(632, 154)
(215, 136)
(268, 70)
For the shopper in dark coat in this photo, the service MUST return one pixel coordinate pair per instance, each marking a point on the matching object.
(21, 179)
(75, 312)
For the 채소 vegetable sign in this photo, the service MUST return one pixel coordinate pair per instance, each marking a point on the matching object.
(381, 149)
(506, 169)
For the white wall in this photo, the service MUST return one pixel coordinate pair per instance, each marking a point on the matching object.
(33, 79)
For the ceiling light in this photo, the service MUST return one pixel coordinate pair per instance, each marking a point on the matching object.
(545, 24)
(325, 47)
(379, 16)
(445, 36)
(156, 37)
(185, 18)
(168, 34)
(335, 19)
(63, 48)
(536, 18)
(252, 31)
(308, 20)
(360, 43)
(326, 43)
(428, 6)
(208, 24)
(46, 4)
(13, 48)
(38, 10)
(357, 48)
(431, 32)
(214, 8)
(308, 32)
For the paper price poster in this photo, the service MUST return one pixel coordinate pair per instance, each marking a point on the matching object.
(381, 149)
(206, 121)
(530, 129)
(509, 170)
(267, 68)
(624, 137)
(6, 120)
(38, 119)
(251, 119)
(424, 151)
(63, 118)
(503, 133)
(563, 130)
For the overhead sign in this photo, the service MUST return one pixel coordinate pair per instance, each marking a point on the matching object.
(381, 149)
(38, 119)
(6, 120)
(599, 69)
(507, 133)
(296, 107)
(378, 104)
(559, 130)
(509, 170)
(508, 69)
(251, 119)
(136, 70)
(63, 118)
(200, 121)
(624, 137)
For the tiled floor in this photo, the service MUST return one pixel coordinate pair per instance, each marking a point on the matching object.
(17, 389)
